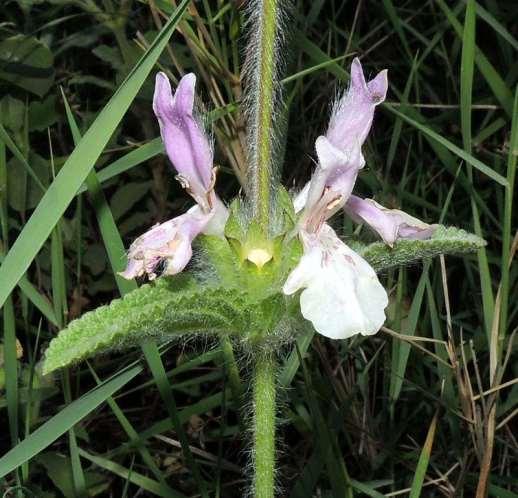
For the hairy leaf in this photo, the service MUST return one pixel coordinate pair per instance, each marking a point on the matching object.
(169, 307)
(446, 240)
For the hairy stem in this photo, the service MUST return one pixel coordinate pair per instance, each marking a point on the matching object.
(264, 426)
(264, 102)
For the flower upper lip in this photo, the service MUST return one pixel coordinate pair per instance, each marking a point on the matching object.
(339, 151)
(185, 141)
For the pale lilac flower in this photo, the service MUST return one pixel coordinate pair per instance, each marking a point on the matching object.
(390, 224)
(166, 248)
(352, 116)
(341, 294)
(336, 280)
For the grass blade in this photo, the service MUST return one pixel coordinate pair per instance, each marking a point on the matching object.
(467, 65)
(140, 480)
(451, 147)
(397, 377)
(494, 80)
(486, 16)
(4, 136)
(292, 363)
(424, 458)
(10, 360)
(466, 89)
(508, 215)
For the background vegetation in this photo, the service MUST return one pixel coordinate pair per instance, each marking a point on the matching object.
(427, 407)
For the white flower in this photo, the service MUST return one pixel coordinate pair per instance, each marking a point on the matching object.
(341, 295)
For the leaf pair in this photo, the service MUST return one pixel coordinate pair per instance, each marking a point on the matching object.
(175, 307)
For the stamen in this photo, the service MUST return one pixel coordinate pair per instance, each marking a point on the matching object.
(184, 182)
(332, 204)
(213, 178)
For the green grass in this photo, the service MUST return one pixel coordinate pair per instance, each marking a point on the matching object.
(406, 412)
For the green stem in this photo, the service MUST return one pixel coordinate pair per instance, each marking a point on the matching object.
(264, 426)
(265, 88)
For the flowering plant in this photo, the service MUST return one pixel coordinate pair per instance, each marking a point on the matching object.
(270, 263)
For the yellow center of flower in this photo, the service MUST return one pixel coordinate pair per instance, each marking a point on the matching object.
(259, 256)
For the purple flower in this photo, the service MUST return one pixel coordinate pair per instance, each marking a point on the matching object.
(166, 248)
(390, 224)
(185, 141)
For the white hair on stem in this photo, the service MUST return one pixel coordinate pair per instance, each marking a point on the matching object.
(263, 97)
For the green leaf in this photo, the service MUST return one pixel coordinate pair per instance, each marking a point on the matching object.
(59, 469)
(169, 307)
(42, 114)
(445, 240)
(27, 63)
(13, 114)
